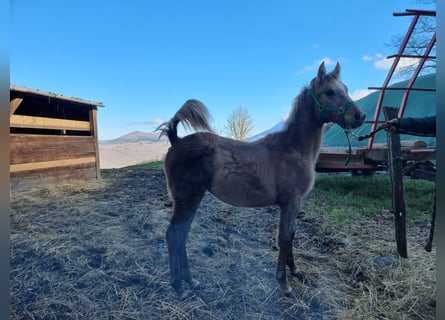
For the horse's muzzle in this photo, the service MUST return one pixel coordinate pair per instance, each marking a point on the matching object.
(356, 119)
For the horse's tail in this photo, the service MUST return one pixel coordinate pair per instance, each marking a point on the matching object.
(193, 113)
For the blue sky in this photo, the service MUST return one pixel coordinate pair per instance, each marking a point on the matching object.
(144, 59)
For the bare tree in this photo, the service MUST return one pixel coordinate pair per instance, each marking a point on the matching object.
(239, 124)
(419, 40)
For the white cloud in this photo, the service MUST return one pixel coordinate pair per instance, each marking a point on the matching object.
(155, 121)
(305, 69)
(360, 93)
(158, 121)
(327, 61)
(383, 63)
(406, 62)
(403, 63)
(376, 56)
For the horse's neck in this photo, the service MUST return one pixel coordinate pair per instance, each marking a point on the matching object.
(305, 130)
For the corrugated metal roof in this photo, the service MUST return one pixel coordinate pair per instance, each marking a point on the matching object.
(54, 95)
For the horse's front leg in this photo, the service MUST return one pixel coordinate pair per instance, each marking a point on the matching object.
(286, 232)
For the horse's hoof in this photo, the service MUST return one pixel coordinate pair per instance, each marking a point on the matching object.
(432, 302)
(196, 285)
(298, 274)
(184, 296)
(290, 294)
(180, 293)
(287, 291)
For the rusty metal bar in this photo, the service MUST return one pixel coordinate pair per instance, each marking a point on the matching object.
(416, 14)
(411, 56)
(415, 74)
(413, 12)
(412, 89)
(389, 76)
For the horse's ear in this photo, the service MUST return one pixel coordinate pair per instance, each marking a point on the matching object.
(336, 72)
(321, 71)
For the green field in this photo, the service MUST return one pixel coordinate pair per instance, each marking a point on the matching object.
(360, 194)
(156, 165)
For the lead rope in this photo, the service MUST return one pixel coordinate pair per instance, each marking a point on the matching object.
(347, 131)
(429, 243)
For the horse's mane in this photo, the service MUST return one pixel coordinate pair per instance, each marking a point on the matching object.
(299, 101)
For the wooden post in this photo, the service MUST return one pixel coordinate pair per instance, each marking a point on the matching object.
(14, 104)
(396, 174)
(94, 133)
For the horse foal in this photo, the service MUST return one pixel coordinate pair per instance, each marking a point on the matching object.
(275, 170)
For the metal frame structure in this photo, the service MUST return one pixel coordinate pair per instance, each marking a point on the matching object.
(422, 59)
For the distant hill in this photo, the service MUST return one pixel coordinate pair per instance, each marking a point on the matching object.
(135, 136)
(275, 128)
(420, 104)
(133, 148)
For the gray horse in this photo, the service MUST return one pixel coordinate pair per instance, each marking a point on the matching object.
(278, 169)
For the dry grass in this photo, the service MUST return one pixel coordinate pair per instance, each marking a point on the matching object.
(97, 250)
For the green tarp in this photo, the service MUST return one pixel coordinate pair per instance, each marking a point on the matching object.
(420, 104)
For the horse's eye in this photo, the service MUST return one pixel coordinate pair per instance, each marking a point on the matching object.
(330, 92)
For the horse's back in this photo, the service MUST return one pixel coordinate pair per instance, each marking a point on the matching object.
(246, 174)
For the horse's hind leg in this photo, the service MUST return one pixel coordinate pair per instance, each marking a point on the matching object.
(184, 211)
(286, 233)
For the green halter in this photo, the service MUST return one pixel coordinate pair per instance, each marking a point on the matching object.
(341, 110)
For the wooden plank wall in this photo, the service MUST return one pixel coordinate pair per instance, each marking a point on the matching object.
(48, 123)
(50, 158)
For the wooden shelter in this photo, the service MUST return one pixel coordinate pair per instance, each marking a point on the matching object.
(52, 138)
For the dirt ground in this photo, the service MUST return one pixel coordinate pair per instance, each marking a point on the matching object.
(97, 250)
